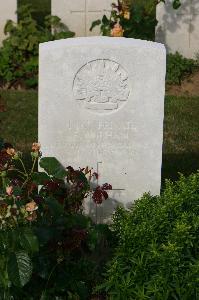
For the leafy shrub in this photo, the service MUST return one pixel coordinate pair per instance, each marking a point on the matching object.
(157, 256)
(41, 9)
(19, 53)
(2, 109)
(136, 18)
(178, 67)
(48, 248)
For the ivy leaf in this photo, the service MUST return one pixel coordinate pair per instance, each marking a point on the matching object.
(176, 4)
(138, 13)
(105, 20)
(53, 167)
(94, 24)
(15, 41)
(19, 268)
(9, 26)
(64, 35)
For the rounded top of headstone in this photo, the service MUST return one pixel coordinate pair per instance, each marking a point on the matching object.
(103, 41)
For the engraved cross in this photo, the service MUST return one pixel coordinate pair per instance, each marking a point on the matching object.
(86, 11)
(190, 14)
(113, 189)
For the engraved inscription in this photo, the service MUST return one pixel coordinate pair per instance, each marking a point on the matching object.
(101, 85)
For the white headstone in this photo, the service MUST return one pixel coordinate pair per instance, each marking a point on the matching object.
(7, 12)
(78, 15)
(179, 29)
(101, 104)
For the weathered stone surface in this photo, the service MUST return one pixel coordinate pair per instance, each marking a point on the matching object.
(78, 15)
(7, 12)
(178, 29)
(101, 104)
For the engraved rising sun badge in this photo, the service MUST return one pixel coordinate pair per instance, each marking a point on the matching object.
(101, 85)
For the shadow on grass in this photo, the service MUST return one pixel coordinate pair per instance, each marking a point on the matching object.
(175, 163)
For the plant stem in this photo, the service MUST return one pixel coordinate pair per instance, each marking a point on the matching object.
(3, 183)
(18, 171)
(33, 166)
(25, 171)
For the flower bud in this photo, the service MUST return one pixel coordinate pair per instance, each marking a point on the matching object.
(126, 14)
(34, 154)
(3, 174)
(17, 155)
(117, 30)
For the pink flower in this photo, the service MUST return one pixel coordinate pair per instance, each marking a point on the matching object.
(36, 147)
(31, 206)
(9, 190)
(32, 216)
(11, 151)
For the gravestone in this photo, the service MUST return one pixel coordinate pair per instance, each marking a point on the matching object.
(101, 104)
(179, 29)
(78, 15)
(7, 12)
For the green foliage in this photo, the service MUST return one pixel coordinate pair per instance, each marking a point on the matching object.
(137, 18)
(48, 247)
(178, 67)
(40, 9)
(52, 166)
(158, 242)
(176, 4)
(141, 23)
(19, 268)
(19, 53)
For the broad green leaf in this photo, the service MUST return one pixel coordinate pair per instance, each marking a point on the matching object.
(55, 207)
(40, 177)
(45, 234)
(29, 241)
(82, 178)
(19, 268)
(53, 167)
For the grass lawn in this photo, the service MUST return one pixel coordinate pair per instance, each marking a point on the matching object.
(181, 129)
(181, 136)
(19, 121)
